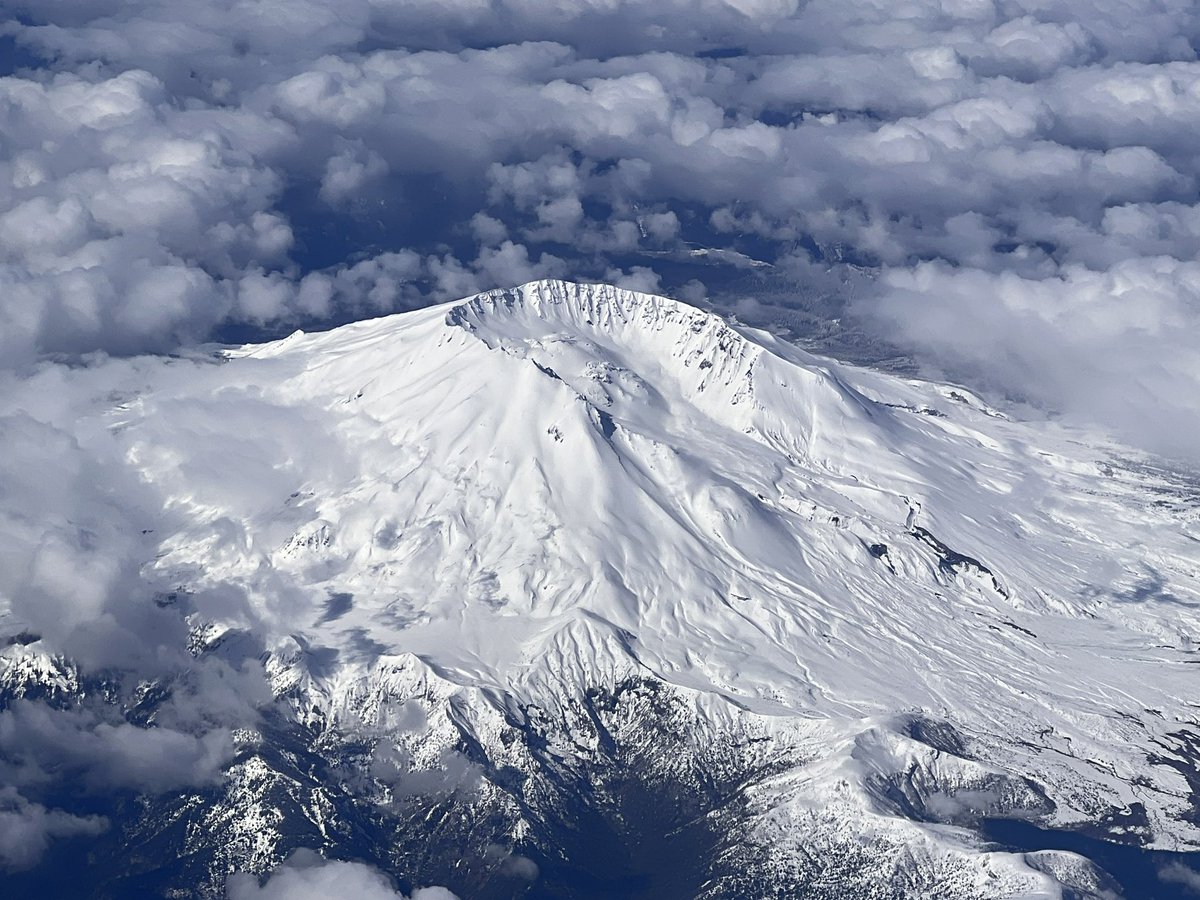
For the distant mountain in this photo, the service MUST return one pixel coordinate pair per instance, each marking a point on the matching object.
(570, 591)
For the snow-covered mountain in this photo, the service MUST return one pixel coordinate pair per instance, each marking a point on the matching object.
(573, 591)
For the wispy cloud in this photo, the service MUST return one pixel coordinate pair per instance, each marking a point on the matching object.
(306, 876)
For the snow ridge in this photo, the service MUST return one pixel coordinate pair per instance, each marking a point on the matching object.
(696, 346)
(508, 509)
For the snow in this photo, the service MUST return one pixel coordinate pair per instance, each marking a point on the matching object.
(535, 491)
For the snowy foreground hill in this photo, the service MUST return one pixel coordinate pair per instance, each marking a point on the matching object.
(569, 591)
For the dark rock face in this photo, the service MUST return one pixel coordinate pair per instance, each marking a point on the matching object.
(614, 800)
(609, 796)
(632, 813)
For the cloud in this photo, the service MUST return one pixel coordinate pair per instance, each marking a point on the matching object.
(306, 876)
(1178, 873)
(40, 745)
(1113, 345)
(512, 864)
(26, 829)
(189, 181)
(73, 542)
(126, 219)
(452, 774)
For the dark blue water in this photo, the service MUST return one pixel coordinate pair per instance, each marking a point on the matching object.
(1142, 874)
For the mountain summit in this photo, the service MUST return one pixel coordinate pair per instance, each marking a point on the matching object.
(568, 560)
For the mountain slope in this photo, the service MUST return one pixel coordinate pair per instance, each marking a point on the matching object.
(543, 554)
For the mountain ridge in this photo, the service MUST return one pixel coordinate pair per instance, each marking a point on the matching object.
(493, 549)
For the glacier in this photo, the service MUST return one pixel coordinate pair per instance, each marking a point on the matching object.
(568, 583)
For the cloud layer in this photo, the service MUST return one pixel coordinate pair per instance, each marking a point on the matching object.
(1017, 178)
(306, 876)
(26, 829)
